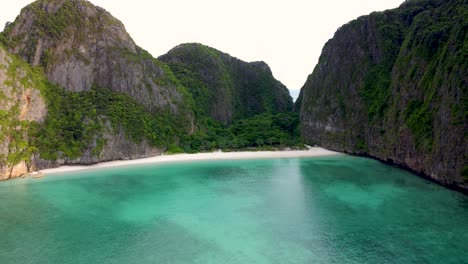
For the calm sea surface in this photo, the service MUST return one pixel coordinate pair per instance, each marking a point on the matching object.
(316, 210)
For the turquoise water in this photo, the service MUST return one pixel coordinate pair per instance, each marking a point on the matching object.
(317, 210)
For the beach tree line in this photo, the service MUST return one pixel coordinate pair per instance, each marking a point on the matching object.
(264, 132)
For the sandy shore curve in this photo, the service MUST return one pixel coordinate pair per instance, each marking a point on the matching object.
(311, 152)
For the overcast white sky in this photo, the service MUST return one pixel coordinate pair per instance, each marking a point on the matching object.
(288, 35)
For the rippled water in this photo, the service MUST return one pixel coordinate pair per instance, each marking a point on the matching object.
(319, 210)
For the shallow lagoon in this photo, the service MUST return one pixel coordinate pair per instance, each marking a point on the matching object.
(338, 209)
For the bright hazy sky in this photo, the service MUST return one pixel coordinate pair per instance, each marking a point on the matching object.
(288, 35)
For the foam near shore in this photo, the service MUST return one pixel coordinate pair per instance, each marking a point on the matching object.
(311, 152)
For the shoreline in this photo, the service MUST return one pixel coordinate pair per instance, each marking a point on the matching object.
(311, 152)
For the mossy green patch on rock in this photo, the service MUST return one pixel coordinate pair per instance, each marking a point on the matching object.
(226, 88)
(464, 173)
(22, 107)
(392, 85)
(104, 98)
(76, 120)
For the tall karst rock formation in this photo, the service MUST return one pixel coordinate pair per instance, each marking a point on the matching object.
(226, 88)
(76, 89)
(21, 106)
(394, 85)
(106, 98)
(81, 46)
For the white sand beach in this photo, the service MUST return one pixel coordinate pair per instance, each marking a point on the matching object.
(311, 152)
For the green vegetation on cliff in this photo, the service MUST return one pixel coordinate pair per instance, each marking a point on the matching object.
(95, 99)
(238, 105)
(226, 88)
(265, 131)
(103, 97)
(81, 46)
(14, 99)
(52, 24)
(76, 121)
(393, 85)
(464, 173)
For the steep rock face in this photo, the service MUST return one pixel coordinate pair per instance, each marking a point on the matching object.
(25, 119)
(81, 46)
(92, 95)
(21, 106)
(393, 85)
(226, 88)
(117, 147)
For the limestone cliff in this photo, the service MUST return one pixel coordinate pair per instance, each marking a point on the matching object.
(81, 45)
(96, 96)
(28, 135)
(226, 88)
(394, 85)
(21, 107)
(93, 96)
